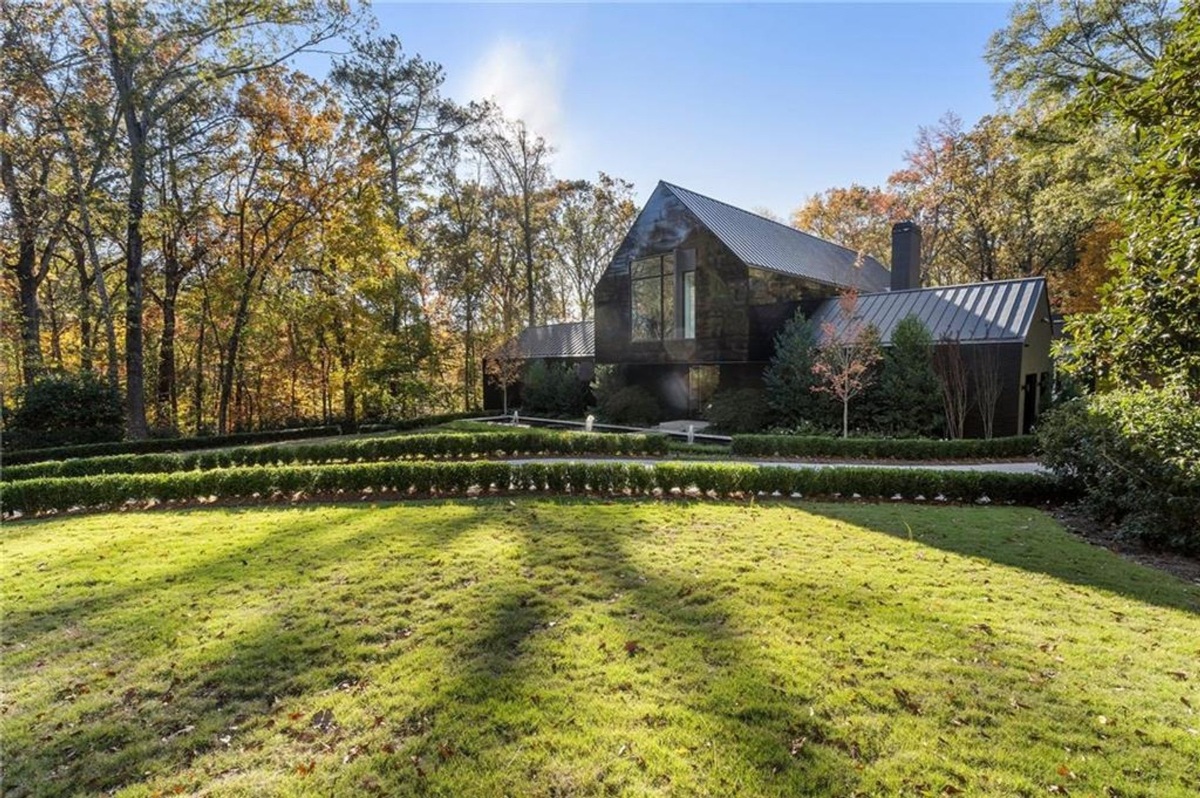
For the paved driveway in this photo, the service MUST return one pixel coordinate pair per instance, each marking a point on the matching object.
(1000, 467)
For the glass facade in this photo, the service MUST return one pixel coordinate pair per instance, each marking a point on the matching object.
(702, 384)
(663, 297)
(689, 304)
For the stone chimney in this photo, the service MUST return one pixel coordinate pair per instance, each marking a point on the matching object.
(906, 256)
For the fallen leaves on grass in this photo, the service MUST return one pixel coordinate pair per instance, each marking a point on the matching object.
(906, 700)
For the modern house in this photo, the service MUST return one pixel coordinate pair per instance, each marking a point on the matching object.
(698, 290)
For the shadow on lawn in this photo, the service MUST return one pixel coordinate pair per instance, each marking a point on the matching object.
(497, 704)
(1028, 545)
(163, 720)
(491, 701)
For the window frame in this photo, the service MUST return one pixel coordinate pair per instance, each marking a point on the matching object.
(672, 294)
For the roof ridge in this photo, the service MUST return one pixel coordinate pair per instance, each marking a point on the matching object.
(773, 221)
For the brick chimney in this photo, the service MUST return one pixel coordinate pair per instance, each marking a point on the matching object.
(906, 256)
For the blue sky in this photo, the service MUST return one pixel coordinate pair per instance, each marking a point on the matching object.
(757, 105)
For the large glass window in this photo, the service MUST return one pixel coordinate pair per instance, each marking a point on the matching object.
(653, 298)
(647, 309)
(663, 297)
(689, 304)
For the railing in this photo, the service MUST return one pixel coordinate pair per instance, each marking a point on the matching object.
(591, 425)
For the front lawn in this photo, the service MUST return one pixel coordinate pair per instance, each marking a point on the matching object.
(543, 647)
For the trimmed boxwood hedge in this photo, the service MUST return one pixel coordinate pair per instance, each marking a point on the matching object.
(403, 478)
(436, 445)
(166, 444)
(897, 448)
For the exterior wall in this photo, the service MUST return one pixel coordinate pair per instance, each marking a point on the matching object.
(1007, 358)
(722, 329)
(1036, 359)
(773, 300)
(739, 310)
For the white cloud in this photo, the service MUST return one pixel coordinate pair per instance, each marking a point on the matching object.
(525, 82)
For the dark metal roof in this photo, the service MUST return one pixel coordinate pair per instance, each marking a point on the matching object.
(571, 339)
(993, 312)
(776, 247)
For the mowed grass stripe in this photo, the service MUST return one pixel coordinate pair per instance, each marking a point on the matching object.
(535, 647)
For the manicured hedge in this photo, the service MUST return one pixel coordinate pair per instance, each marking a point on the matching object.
(606, 478)
(458, 444)
(166, 444)
(896, 448)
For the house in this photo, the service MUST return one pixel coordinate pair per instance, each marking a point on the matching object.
(697, 291)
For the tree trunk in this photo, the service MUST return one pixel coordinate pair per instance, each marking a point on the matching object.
(166, 393)
(845, 418)
(31, 333)
(198, 396)
(229, 368)
(528, 237)
(135, 380)
(86, 333)
(55, 328)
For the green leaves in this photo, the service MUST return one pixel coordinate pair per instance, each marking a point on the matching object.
(402, 479)
(899, 448)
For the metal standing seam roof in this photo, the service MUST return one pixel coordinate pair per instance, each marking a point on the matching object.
(976, 312)
(774, 246)
(570, 339)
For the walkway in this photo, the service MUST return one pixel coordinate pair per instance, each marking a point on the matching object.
(999, 467)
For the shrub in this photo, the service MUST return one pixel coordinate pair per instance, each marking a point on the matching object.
(741, 410)
(632, 405)
(908, 400)
(1135, 458)
(899, 448)
(789, 378)
(167, 445)
(62, 409)
(437, 445)
(399, 479)
(553, 388)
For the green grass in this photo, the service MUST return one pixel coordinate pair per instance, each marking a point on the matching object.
(588, 647)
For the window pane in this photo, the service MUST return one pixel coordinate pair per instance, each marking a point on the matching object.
(647, 309)
(702, 384)
(646, 267)
(689, 304)
(668, 264)
(668, 301)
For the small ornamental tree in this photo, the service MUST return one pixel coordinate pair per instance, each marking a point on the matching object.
(504, 366)
(952, 371)
(789, 378)
(909, 396)
(845, 357)
(985, 379)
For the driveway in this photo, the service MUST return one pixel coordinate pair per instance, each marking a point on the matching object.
(999, 467)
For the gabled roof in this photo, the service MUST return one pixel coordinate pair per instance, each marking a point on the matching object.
(776, 247)
(571, 339)
(990, 312)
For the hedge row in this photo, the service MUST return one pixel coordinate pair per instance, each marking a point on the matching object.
(403, 478)
(898, 448)
(362, 450)
(166, 444)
